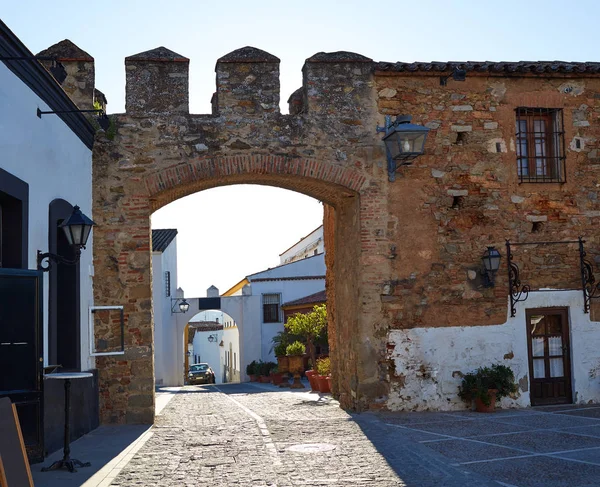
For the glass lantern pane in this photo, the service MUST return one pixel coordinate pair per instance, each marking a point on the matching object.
(77, 233)
(86, 233)
(67, 231)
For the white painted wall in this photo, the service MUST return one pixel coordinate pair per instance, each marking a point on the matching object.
(208, 352)
(310, 245)
(165, 325)
(311, 266)
(48, 156)
(429, 359)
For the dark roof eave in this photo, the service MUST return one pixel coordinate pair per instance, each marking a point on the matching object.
(504, 68)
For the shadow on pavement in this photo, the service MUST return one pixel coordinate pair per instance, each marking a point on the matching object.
(98, 447)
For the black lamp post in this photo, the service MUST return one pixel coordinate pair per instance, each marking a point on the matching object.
(404, 141)
(180, 303)
(491, 264)
(77, 230)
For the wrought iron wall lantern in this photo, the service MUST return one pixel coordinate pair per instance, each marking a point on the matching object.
(213, 338)
(77, 230)
(57, 70)
(404, 141)
(457, 75)
(520, 292)
(491, 264)
(179, 303)
(102, 117)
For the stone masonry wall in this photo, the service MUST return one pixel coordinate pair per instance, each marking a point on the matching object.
(401, 255)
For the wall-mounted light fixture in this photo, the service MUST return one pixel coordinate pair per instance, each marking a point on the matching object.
(491, 264)
(179, 303)
(56, 68)
(102, 117)
(404, 141)
(77, 229)
(213, 338)
(457, 75)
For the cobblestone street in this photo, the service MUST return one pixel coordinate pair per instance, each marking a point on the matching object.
(252, 435)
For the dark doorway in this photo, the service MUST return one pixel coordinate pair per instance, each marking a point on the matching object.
(64, 311)
(21, 351)
(549, 356)
(14, 196)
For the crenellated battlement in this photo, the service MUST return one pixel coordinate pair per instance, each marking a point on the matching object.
(157, 81)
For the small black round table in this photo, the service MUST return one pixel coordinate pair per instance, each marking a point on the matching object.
(67, 461)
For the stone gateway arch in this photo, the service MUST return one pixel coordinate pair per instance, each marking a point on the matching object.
(325, 148)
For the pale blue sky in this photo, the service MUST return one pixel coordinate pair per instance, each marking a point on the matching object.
(227, 233)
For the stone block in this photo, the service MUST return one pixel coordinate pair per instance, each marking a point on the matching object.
(247, 83)
(157, 82)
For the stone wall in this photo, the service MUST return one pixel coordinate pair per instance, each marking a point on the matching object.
(401, 256)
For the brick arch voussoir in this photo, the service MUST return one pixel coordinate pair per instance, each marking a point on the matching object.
(320, 179)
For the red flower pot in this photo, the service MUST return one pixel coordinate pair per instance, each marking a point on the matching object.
(265, 379)
(276, 378)
(253, 378)
(480, 406)
(311, 375)
(323, 384)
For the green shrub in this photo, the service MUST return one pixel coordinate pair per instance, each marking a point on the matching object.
(476, 384)
(251, 368)
(296, 348)
(268, 367)
(279, 349)
(323, 366)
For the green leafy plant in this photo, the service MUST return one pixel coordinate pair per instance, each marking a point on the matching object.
(279, 349)
(296, 348)
(251, 368)
(475, 385)
(268, 367)
(310, 326)
(283, 338)
(324, 366)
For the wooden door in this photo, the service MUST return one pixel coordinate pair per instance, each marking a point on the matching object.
(549, 356)
(21, 352)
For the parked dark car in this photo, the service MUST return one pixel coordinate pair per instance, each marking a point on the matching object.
(201, 374)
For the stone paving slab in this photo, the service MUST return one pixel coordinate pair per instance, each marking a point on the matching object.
(468, 450)
(537, 421)
(540, 471)
(466, 428)
(584, 413)
(542, 441)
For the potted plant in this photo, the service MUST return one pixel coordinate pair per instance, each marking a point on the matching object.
(311, 375)
(265, 374)
(310, 326)
(295, 351)
(276, 376)
(251, 371)
(486, 385)
(323, 371)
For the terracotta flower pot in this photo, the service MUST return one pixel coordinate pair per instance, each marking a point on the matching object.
(265, 379)
(311, 376)
(323, 384)
(253, 378)
(296, 367)
(276, 378)
(329, 382)
(283, 364)
(480, 406)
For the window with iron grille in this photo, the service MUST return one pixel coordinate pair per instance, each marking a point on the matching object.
(167, 283)
(271, 308)
(540, 145)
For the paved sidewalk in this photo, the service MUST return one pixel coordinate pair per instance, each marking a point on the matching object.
(108, 449)
(261, 436)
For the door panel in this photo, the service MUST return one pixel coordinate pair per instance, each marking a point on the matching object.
(549, 356)
(21, 351)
